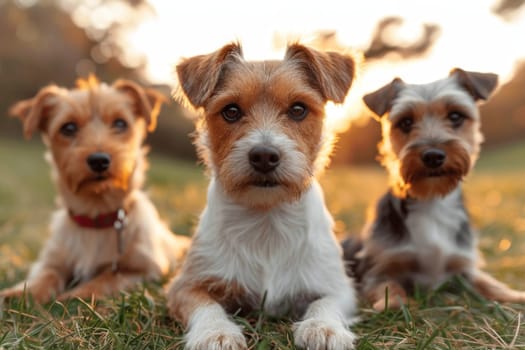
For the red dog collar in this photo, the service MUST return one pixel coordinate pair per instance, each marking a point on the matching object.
(114, 219)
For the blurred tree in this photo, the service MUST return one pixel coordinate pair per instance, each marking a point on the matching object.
(108, 23)
(504, 114)
(358, 144)
(385, 40)
(508, 8)
(41, 44)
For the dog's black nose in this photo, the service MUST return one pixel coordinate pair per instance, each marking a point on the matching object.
(99, 161)
(433, 158)
(264, 158)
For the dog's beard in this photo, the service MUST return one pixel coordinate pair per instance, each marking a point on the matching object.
(433, 186)
(102, 183)
(424, 183)
(116, 180)
(263, 191)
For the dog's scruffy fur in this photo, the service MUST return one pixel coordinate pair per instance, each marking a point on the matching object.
(265, 239)
(94, 134)
(421, 234)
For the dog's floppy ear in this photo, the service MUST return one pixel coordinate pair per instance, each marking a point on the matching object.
(331, 73)
(147, 102)
(380, 101)
(479, 85)
(34, 112)
(198, 76)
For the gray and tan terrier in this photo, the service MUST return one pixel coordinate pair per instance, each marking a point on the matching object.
(421, 234)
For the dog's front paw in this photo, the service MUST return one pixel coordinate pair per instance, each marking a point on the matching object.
(394, 303)
(313, 334)
(11, 293)
(218, 335)
(39, 295)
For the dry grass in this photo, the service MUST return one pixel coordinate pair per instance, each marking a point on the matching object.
(452, 318)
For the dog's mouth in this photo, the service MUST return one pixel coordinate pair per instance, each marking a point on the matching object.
(435, 174)
(438, 173)
(97, 178)
(100, 177)
(93, 180)
(265, 183)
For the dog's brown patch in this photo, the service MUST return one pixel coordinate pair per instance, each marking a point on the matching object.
(458, 265)
(387, 295)
(396, 265)
(184, 297)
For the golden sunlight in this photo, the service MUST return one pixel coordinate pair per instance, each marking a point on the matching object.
(504, 245)
(471, 36)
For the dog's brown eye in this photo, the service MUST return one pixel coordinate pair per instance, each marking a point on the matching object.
(456, 118)
(406, 124)
(69, 129)
(298, 111)
(120, 124)
(231, 113)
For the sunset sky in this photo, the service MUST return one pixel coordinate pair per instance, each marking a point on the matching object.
(471, 36)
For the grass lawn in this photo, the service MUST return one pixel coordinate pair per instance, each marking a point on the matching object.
(452, 318)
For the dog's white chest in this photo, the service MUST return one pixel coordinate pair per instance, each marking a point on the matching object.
(98, 250)
(87, 250)
(434, 227)
(283, 255)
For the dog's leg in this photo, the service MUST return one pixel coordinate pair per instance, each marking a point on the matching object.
(386, 295)
(325, 323)
(492, 289)
(43, 284)
(105, 284)
(176, 246)
(209, 327)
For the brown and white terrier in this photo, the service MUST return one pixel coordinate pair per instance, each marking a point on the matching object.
(265, 239)
(421, 234)
(106, 235)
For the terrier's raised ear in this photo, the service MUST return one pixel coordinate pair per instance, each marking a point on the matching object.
(331, 73)
(146, 102)
(35, 112)
(198, 76)
(380, 101)
(479, 85)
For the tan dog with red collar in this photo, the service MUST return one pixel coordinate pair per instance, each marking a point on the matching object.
(107, 235)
